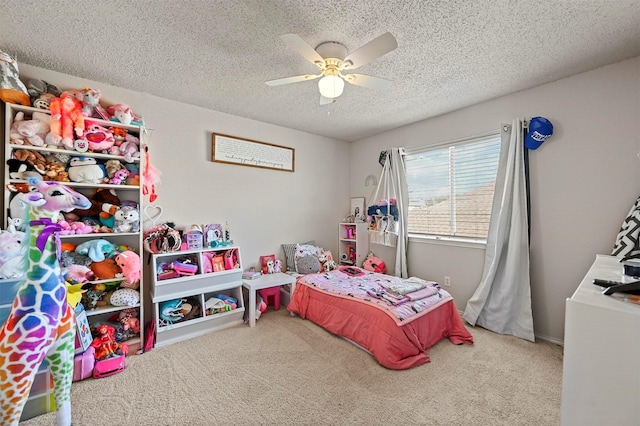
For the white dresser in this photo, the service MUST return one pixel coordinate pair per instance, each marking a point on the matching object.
(601, 373)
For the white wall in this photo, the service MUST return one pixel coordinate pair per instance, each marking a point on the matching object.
(584, 180)
(264, 208)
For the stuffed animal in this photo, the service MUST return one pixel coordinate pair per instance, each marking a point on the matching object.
(134, 174)
(17, 204)
(19, 169)
(12, 254)
(67, 121)
(119, 177)
(99, 139)
(326, 260)
(129, 263)
(86, 170)
(12, 90)
(123, 114)
(104, 204)
(56, 172)
(75, 292)
(127, 219)
(97, 249)
(15, 225)
(28, 132)
(72, 258)
(76, 227)
(126, 144)
(112, 166)
(77, 274)
(129, 320)
(90, 99)
(270, 266)
(374, 264)
(32, 158)
(125, 297)
(106, 269)
(308, 264)
(41, 93)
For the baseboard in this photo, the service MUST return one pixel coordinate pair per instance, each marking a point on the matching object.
(550, 340)
(537, 336)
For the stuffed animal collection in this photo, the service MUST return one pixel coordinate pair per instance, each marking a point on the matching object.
(75, 136)
(99, 259)
(61, 167)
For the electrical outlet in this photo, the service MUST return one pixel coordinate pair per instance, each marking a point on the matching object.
(447, 281)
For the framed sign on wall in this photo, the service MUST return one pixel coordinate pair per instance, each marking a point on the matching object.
(247, 152)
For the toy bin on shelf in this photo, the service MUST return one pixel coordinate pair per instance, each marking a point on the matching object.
(199, 301)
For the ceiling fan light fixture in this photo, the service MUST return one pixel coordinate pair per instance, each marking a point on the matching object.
(331, 86)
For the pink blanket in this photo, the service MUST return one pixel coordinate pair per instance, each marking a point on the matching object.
(373, 289)
(373, 324)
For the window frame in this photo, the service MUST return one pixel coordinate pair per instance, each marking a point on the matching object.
(451, 240)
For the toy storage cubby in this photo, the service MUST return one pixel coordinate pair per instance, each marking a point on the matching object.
(194, 285)
(129, 192)
(353, 243)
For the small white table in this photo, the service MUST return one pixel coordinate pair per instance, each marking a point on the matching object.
(265, 281)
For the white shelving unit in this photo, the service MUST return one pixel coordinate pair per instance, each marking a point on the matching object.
(601, 378)
(124, 192)
(200, 286)
(353, 243)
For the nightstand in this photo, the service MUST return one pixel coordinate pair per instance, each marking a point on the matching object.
(265, 281)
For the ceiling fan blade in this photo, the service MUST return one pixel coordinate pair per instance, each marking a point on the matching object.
(368, 81)
(299, 45)
(373, 50)
(287, 80)
(326, 101)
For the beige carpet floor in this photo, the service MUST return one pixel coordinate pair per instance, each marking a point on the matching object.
(288, 371)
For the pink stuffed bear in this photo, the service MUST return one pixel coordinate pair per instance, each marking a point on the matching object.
(129, 263)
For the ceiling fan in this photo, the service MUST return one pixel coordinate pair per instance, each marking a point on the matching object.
(331, 59)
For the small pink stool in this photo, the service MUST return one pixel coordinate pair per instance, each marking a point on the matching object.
(271, 296)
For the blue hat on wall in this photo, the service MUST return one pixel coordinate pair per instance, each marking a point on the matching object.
(539, 131)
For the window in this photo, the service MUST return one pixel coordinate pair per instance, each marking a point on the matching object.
(451, 187)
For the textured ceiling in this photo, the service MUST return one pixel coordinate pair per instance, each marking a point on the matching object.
(217, 54)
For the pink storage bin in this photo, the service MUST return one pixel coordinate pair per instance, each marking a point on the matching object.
(83, 364)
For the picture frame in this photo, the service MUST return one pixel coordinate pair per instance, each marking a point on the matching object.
(357, 208)
(246, 152)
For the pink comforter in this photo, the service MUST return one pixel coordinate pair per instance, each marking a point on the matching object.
(371, 322)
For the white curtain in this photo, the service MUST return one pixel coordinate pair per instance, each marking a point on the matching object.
(502, 301)
(402, 198)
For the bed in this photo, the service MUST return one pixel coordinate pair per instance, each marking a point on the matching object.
(396, 320)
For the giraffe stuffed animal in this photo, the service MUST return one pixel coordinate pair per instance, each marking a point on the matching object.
(41, 322)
